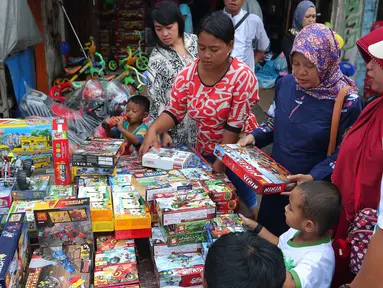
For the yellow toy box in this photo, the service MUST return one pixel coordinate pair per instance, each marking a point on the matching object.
(103, 226)
(100, 202)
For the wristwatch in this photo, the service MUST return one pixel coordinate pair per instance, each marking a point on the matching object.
(258, 229)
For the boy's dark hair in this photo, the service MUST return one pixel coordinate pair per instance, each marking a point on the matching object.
(219, 25)
(244, 260)
(321, 203)
(166, 13)
(141, 100)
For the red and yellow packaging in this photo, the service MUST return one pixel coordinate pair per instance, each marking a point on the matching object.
(60, 151)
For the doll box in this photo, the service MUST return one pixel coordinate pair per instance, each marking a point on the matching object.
(166, 159)
(255, 168)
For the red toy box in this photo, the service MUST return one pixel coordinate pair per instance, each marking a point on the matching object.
(60, 151)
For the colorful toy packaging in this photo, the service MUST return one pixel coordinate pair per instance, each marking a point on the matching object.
(38, 189)
(91, 181)
(26, 207)
(61, 155)
(195, 174)
(173, 239)
(5, 198)
(254, 167)
(105, 243)
(63, 222)
(131, 164)
(14, 244)
(120, 275)
(98, 152)
(101, 208)
(166, 159)
(121, 183)
(225, 224)
(84, 171)
(180, 269)
(197, 160)
(60, 192)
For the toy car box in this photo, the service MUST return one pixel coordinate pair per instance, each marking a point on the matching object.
(67, 267)
(98, 152)
(130, 211)
(166, 159)
(26, 207)
(60, 192)
(63, 222)
(14, 245)
(179, 269)
(115, 256)
(5, 198)
(38, 189)
(190, 206)
(101, 208)
(159, 245)
(26, 136)
(119, 275)
(255, 168)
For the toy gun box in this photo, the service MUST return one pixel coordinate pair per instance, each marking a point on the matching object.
(13, 251)
(159, 245)
(255, 168)
(166, 159)
(190, 206)
(101, 208)
(38, 189)
(61, 165)
(63, 222)
(98, 152)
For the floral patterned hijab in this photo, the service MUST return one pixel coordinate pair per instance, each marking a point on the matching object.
(319, 45)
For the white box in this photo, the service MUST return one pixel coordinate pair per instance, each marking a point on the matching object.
(166, 159)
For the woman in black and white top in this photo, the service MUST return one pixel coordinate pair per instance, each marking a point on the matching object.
(173, 52)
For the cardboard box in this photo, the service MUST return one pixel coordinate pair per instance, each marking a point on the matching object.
(191, 206)
(131, 164)
(133, 234)
(84, 171)
(103, 226)
(61, 163)
(225, 224)
(116, 275)
(101, 208)
(195, 174)
(5, 198)
(187, 227)
(38, 189)
(115, 256)
(255, 168)
(198, 161)
(219, 190)
(173, 239)
(180, 269)
(99, 152)
(121, 183)
(60, 192)
(91, 181)
(26, 207)
(105, 243)
(63, 222)
(166, 159)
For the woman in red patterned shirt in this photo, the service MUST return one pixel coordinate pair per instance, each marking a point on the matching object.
(218, 92)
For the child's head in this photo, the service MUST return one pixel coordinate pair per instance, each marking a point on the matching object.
(137, 109)
(314, 207)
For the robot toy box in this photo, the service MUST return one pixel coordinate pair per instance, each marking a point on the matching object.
(180, 269)
(255, 168)
(120, 275)
(5, 198)
(37, 189)
(159, 245)
(61, 157)
(63, 222)
(101, 208)
(65, 267)
(190, 206)
(60, 192)
(98, 152)
(166, 159)
(13, 251)
(26, 136)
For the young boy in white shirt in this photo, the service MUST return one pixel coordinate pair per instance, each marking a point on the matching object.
(251, 40)
(309, 257)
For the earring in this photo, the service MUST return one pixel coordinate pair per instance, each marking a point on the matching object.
(228, 53)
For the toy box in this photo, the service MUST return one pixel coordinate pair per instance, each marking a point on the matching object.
(91, 181)
(116, 275)
(84, 171)
(133, 234)
(121, 183)
(103, 226)
(63, 222)
(98, 152)
(60, 192)
(131, 163)
(105, 243)
(130, 211)
(13, 251)
(115, 256)
(38, 189)
(197, 160)
(166, 159)
(65, 267)
(190, 206)
(26, 207)
(180, 269)
(100, 202)
(61, 165)
(254, 167)
(5, 198)
(173, 239)
(219, 190)
(225, 224)
(26, 136)
(159, 245)
(228, 206)
(195, 174)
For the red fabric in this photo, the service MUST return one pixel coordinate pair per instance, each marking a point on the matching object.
(226, 105)
(359, 167)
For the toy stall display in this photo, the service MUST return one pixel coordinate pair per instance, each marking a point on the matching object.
(166, 158)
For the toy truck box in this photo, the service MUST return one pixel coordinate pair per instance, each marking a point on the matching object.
(106, 243)
(120, 275)
(27, 137)
(67, 267)
(63, 222)
(13, 251)
(26, 207)
(38, 189)
(101, 208)
(159, 245)
(255, 168)
(179, 269)
(5, 198)
(98, 152)
(190, 206)
(60, 192)
(61, 157)
(166, 159)
(130, 211)
(225, 224)
(115, 256)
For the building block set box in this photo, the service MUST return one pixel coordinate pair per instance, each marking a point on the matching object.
(61, 157)
(38, 189)
(254, 167)
(26, 207)
(101, 208)
(166, 159)
(225, 224)
(60, 192)
(98, 152)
